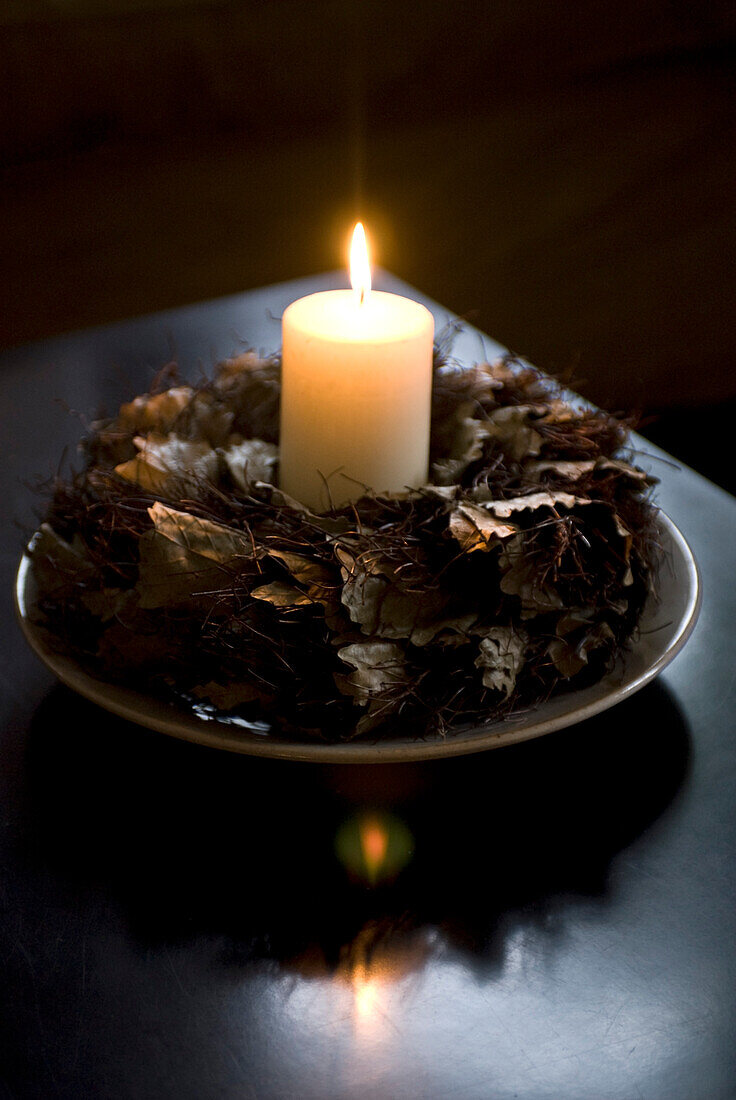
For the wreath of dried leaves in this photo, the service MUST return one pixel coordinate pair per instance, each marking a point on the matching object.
(171, 561)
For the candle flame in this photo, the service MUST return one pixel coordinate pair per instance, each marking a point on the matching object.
(360, 268)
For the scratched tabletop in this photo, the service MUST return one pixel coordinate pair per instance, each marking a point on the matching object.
(179, 922)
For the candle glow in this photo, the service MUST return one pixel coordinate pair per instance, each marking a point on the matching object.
(356, 391)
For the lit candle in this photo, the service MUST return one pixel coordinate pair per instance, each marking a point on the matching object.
(356, 391)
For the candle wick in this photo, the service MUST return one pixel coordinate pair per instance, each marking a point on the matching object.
(362, 294)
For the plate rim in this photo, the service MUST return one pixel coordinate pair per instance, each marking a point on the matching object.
(156, 714)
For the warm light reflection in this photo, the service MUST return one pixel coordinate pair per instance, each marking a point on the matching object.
(377, 967)
(374, 841)
(374, 847)
(360, 268)
(366, 1001)
(367, 970)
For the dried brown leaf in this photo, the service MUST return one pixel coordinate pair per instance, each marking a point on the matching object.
(466, 437)
(208, 419)
(185, 556)
(529, 502)
(166, 464)
(628, 541)
(281, 594)
(519, 577)
(445, 632)
(574, 470)
(57, 563)
(511, 428)
(475, 529)
(305, 570)
(250, 461)
(502, 654)
(378, 667)
(322, 583)
(569, 657)
(155, 412)
(379, 604)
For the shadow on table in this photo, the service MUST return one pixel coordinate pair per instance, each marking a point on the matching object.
(297, 862)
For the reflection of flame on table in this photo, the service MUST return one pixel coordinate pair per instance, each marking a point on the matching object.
(366, 1000)
(374, 847)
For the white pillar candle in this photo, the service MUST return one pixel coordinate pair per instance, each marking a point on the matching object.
(356, 392)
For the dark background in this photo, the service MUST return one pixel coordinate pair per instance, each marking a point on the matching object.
(560, 173)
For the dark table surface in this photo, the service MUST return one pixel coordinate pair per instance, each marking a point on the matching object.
(174, 921)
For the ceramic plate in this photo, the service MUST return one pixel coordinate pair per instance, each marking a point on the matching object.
(665, 626)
